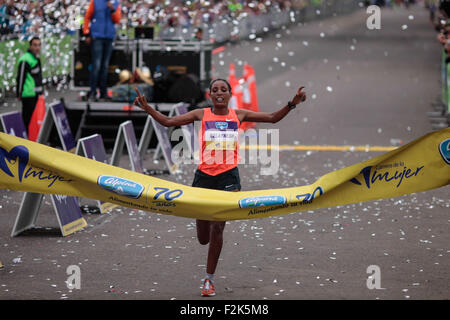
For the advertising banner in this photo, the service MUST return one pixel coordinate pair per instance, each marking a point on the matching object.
(420, 165)
(12, 124)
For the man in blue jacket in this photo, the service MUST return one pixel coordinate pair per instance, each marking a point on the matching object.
(99, 24)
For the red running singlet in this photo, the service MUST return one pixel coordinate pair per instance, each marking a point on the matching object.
(218, 142)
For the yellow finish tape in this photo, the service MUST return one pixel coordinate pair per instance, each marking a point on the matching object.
(284, 147)
(420, 165)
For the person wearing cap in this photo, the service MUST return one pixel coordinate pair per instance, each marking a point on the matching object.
(99, 26)
(198, 35)
(121, 92)
(144, 81)
(125, 89)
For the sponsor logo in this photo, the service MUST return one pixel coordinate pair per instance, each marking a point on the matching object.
(374, 176)
(309, 197)
(252, 202)
(444, 149)
(221, 125)
(21, 155)
(121, 186)
(18, 153)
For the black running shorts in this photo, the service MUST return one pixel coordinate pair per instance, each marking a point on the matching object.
(226, 181)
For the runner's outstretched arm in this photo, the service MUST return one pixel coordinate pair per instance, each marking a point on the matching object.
(251, 116)
(164, 120)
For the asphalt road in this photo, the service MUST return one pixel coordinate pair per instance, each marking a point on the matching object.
(364, 87)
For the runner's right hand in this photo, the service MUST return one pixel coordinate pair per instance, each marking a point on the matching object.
(140, 101)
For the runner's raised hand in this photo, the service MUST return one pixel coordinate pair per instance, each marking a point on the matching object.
(140, 100)
(299, 97)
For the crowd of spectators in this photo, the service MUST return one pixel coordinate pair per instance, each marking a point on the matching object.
(390, 3)
(28, 17)
(439, 16)
(440, 19)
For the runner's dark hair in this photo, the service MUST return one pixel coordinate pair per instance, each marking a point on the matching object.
(219, 79)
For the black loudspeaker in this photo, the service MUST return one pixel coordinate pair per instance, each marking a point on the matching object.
(144, 33)
(121, 58)
(180, 62)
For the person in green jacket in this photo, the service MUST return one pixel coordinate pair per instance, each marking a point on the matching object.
(29, 79)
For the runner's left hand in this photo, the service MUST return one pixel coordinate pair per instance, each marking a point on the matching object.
(299, 97)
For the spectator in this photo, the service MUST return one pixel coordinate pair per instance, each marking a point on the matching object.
(4, 20)
(99, 22)
(3, 17)
(198, 35)
(444, 8)
(29, 79)
(432, 6)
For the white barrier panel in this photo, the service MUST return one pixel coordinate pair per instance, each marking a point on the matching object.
(92, 147)
(66, 209)
(126, 136)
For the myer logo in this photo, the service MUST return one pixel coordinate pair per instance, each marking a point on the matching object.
(18, 153)
(444, 149)
(261, 201)
(221, 125)
(372, 177)
(20, 156)
(121, 186)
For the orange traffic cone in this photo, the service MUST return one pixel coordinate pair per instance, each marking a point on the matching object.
(37, 118)
(249, 75)
(246, 98)
(246, 104)
(232, 75)
(250, 98)
(234, 104)
(238, 92)
(241, 96)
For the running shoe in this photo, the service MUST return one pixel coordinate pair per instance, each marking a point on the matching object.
(208, 289)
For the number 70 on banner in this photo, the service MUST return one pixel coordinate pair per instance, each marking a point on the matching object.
(167, 193)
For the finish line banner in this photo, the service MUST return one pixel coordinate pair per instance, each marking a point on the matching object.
(420, 165)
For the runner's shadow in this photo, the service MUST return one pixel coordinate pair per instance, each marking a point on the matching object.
(41, 231)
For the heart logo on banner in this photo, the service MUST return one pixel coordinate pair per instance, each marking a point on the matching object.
(20, 152)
